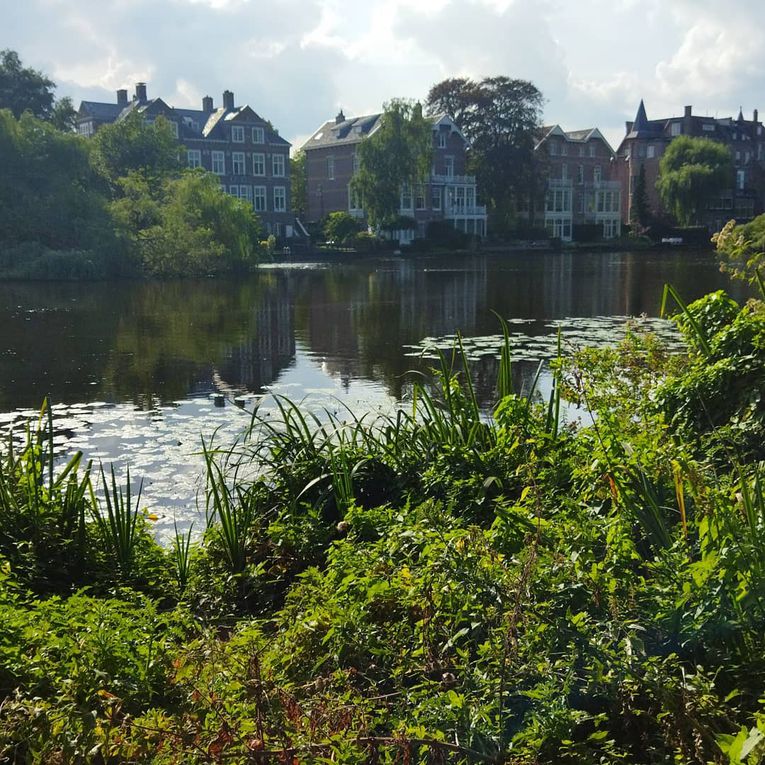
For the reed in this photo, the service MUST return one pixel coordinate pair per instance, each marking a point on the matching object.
(181, 554)
(119, 525)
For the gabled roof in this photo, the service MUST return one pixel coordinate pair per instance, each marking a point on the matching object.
(355, 129)
(348, 131)
(571, 136)
(99, 111)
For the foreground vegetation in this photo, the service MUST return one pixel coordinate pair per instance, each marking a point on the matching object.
(435, 586)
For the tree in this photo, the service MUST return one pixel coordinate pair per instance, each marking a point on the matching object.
(691, 172)
(186, 224)
(298, 180)
(639, 212)
(339, 226)
(397, 154)
(23, 89)
(49, 194)
(64, 115)
(134, 145)
(499, 116)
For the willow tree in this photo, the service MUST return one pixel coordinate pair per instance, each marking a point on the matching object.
(691, 173)
(396, 154)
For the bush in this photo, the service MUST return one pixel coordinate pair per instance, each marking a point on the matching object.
(443, 234)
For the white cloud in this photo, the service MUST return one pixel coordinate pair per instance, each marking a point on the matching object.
(297, 61)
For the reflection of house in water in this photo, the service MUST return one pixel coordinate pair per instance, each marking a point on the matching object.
(269, 350)
(443, 301)
(357, 327)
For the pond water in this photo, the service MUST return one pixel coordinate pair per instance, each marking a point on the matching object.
(136, 371)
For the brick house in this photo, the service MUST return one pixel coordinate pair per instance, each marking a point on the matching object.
(646, 141)
(580, 188)
(250, 158)
(448, 194)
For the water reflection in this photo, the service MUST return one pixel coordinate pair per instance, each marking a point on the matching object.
(156, 343)
(150, 355)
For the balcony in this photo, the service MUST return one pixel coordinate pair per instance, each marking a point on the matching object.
(603, 186)
(453, 180)
(463, 211)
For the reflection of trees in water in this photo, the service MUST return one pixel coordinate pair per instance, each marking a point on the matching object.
(161, 341)
(142, 342)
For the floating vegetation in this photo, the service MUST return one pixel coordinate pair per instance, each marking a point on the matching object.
(576, 333)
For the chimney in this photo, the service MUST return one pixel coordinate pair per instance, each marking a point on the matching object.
(207, 104)
(756, 117)
(688, 111)
(228, 100)
(340, 117)
(140, 92)
(122, 97)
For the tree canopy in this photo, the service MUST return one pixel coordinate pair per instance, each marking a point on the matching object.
(50, 195)
(23, 89)
(133, 144)
(498, 116)
(398, 153)
(299, 184)
(691, 172)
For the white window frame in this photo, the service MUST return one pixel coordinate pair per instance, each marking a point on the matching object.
(218, 159)
(259, 164)
(238, 162)
(406, 200)
(193, 158)
(449, 160)
(174, 127)
(355, 203)
(651, 152)
(441, 139)
(280, 199)
(258, 135)
(237, 134)
(436, 198)
(330, 168)
(259, 198)
(420, 202)
(277, 165)
(675, 129)
(245, 192)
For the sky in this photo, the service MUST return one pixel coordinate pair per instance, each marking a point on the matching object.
(297, 62)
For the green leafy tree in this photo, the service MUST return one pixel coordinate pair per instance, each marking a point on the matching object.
(499, 117)
(339, 226)
(299, 185)
(691, 172)
(398, 153)
(64, 115)
(186, 225)
(23, 89)
(133, 145)
(640, 213)
(50, 197)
